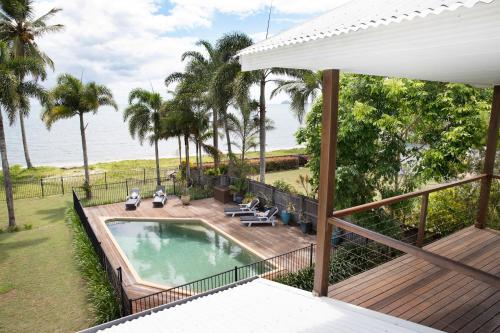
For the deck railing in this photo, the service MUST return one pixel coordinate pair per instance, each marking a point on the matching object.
(401, 236)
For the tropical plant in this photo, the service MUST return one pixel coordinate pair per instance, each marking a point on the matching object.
(302, 86)
(12, 96)
(20, 29)
(244, 127)
(305, 182)
(70, 98)
(283, 186)
(394, 135)
(143, 116)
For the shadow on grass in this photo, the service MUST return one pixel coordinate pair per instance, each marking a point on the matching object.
(52, 214)
(6, 248)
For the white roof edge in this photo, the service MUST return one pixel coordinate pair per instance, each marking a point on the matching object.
(289, 38)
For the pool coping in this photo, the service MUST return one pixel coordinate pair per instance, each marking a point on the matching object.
(130, 267)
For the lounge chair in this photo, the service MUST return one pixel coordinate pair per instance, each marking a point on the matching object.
(160, 197)
(134, 199)
(243, 209)
(261, 218)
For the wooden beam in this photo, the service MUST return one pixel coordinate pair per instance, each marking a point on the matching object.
(331, 87)
(431, 257)
(423, 218)
(399, 198)
(489, 159)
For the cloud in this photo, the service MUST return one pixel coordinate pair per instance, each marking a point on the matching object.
(136, 43)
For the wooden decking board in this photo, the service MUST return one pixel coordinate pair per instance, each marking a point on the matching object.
(381, 271)
(266, 240)
(479, 298)
(473, 313)
(430, 295)
(425, 288)
(400, 281)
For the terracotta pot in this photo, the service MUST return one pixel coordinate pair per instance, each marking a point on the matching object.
(185, 199)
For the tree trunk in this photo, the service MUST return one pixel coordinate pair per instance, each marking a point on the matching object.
(25, 142)
(9, 196)
(188, 167)
(157, 157)
(180, 150)
(215, 128)
(201, 160)
(84, 150)
(262, 130)
(228, 138)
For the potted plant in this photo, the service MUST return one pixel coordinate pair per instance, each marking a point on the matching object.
(286, 214)
(266, 201)
(305, 224)
(238, 189)
(185, 196)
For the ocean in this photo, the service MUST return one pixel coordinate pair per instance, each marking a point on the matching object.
(108, 139)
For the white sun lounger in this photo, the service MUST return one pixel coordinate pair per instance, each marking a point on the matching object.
(243, 209)
(264, 218)
(134, 199)
(160, 197)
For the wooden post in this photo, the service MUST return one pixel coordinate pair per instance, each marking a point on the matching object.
(423, 219)
(326, 192)
(489, 160)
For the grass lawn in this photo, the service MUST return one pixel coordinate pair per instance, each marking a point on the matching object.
(40, 287)
(289, 176)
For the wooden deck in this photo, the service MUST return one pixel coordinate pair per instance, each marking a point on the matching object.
(264, 240)
(415, 290)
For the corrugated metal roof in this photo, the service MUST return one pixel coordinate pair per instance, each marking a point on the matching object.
(435, 40)
(264, 306)
(359, 15)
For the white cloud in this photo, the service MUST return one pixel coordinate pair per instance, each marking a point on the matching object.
(129, 43)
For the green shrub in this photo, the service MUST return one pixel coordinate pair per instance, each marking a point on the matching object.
(102, 299)
(283, 186)
(452, 209)
(347, 260)
(28, 226)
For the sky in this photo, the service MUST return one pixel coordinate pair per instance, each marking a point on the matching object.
(126, 44)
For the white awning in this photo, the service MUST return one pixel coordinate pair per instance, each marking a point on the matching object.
(262, 306)
(436, 40)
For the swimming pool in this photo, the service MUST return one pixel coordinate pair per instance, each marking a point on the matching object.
(175, 252)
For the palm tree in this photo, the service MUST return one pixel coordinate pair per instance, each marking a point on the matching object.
(199, 71)
(245, 128)
(143, 115)
(304, 85)
(72, 98)
(11, 96)
(20, 29)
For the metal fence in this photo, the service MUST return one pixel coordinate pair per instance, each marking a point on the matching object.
(270, 268)
(60, 185)
(305, 206)
(114, 274)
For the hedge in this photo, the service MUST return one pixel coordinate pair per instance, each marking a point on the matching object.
(278, 163)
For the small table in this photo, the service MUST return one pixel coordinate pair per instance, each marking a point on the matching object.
(222, 194)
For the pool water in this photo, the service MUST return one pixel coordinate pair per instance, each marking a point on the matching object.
(173, 253)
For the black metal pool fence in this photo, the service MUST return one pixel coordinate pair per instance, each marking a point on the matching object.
(270, 268)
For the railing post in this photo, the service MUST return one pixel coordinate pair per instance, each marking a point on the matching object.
(62, 185)
(423, 218)
(120, 279)
(126, 186)
(41, 186)
(311, 249)
(235, 273)
(106, 179)
(489, 159)
(144, 170)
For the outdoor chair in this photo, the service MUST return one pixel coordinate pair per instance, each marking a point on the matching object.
(134, 199)
(243, 209)
(261, 218)
(160, 197)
